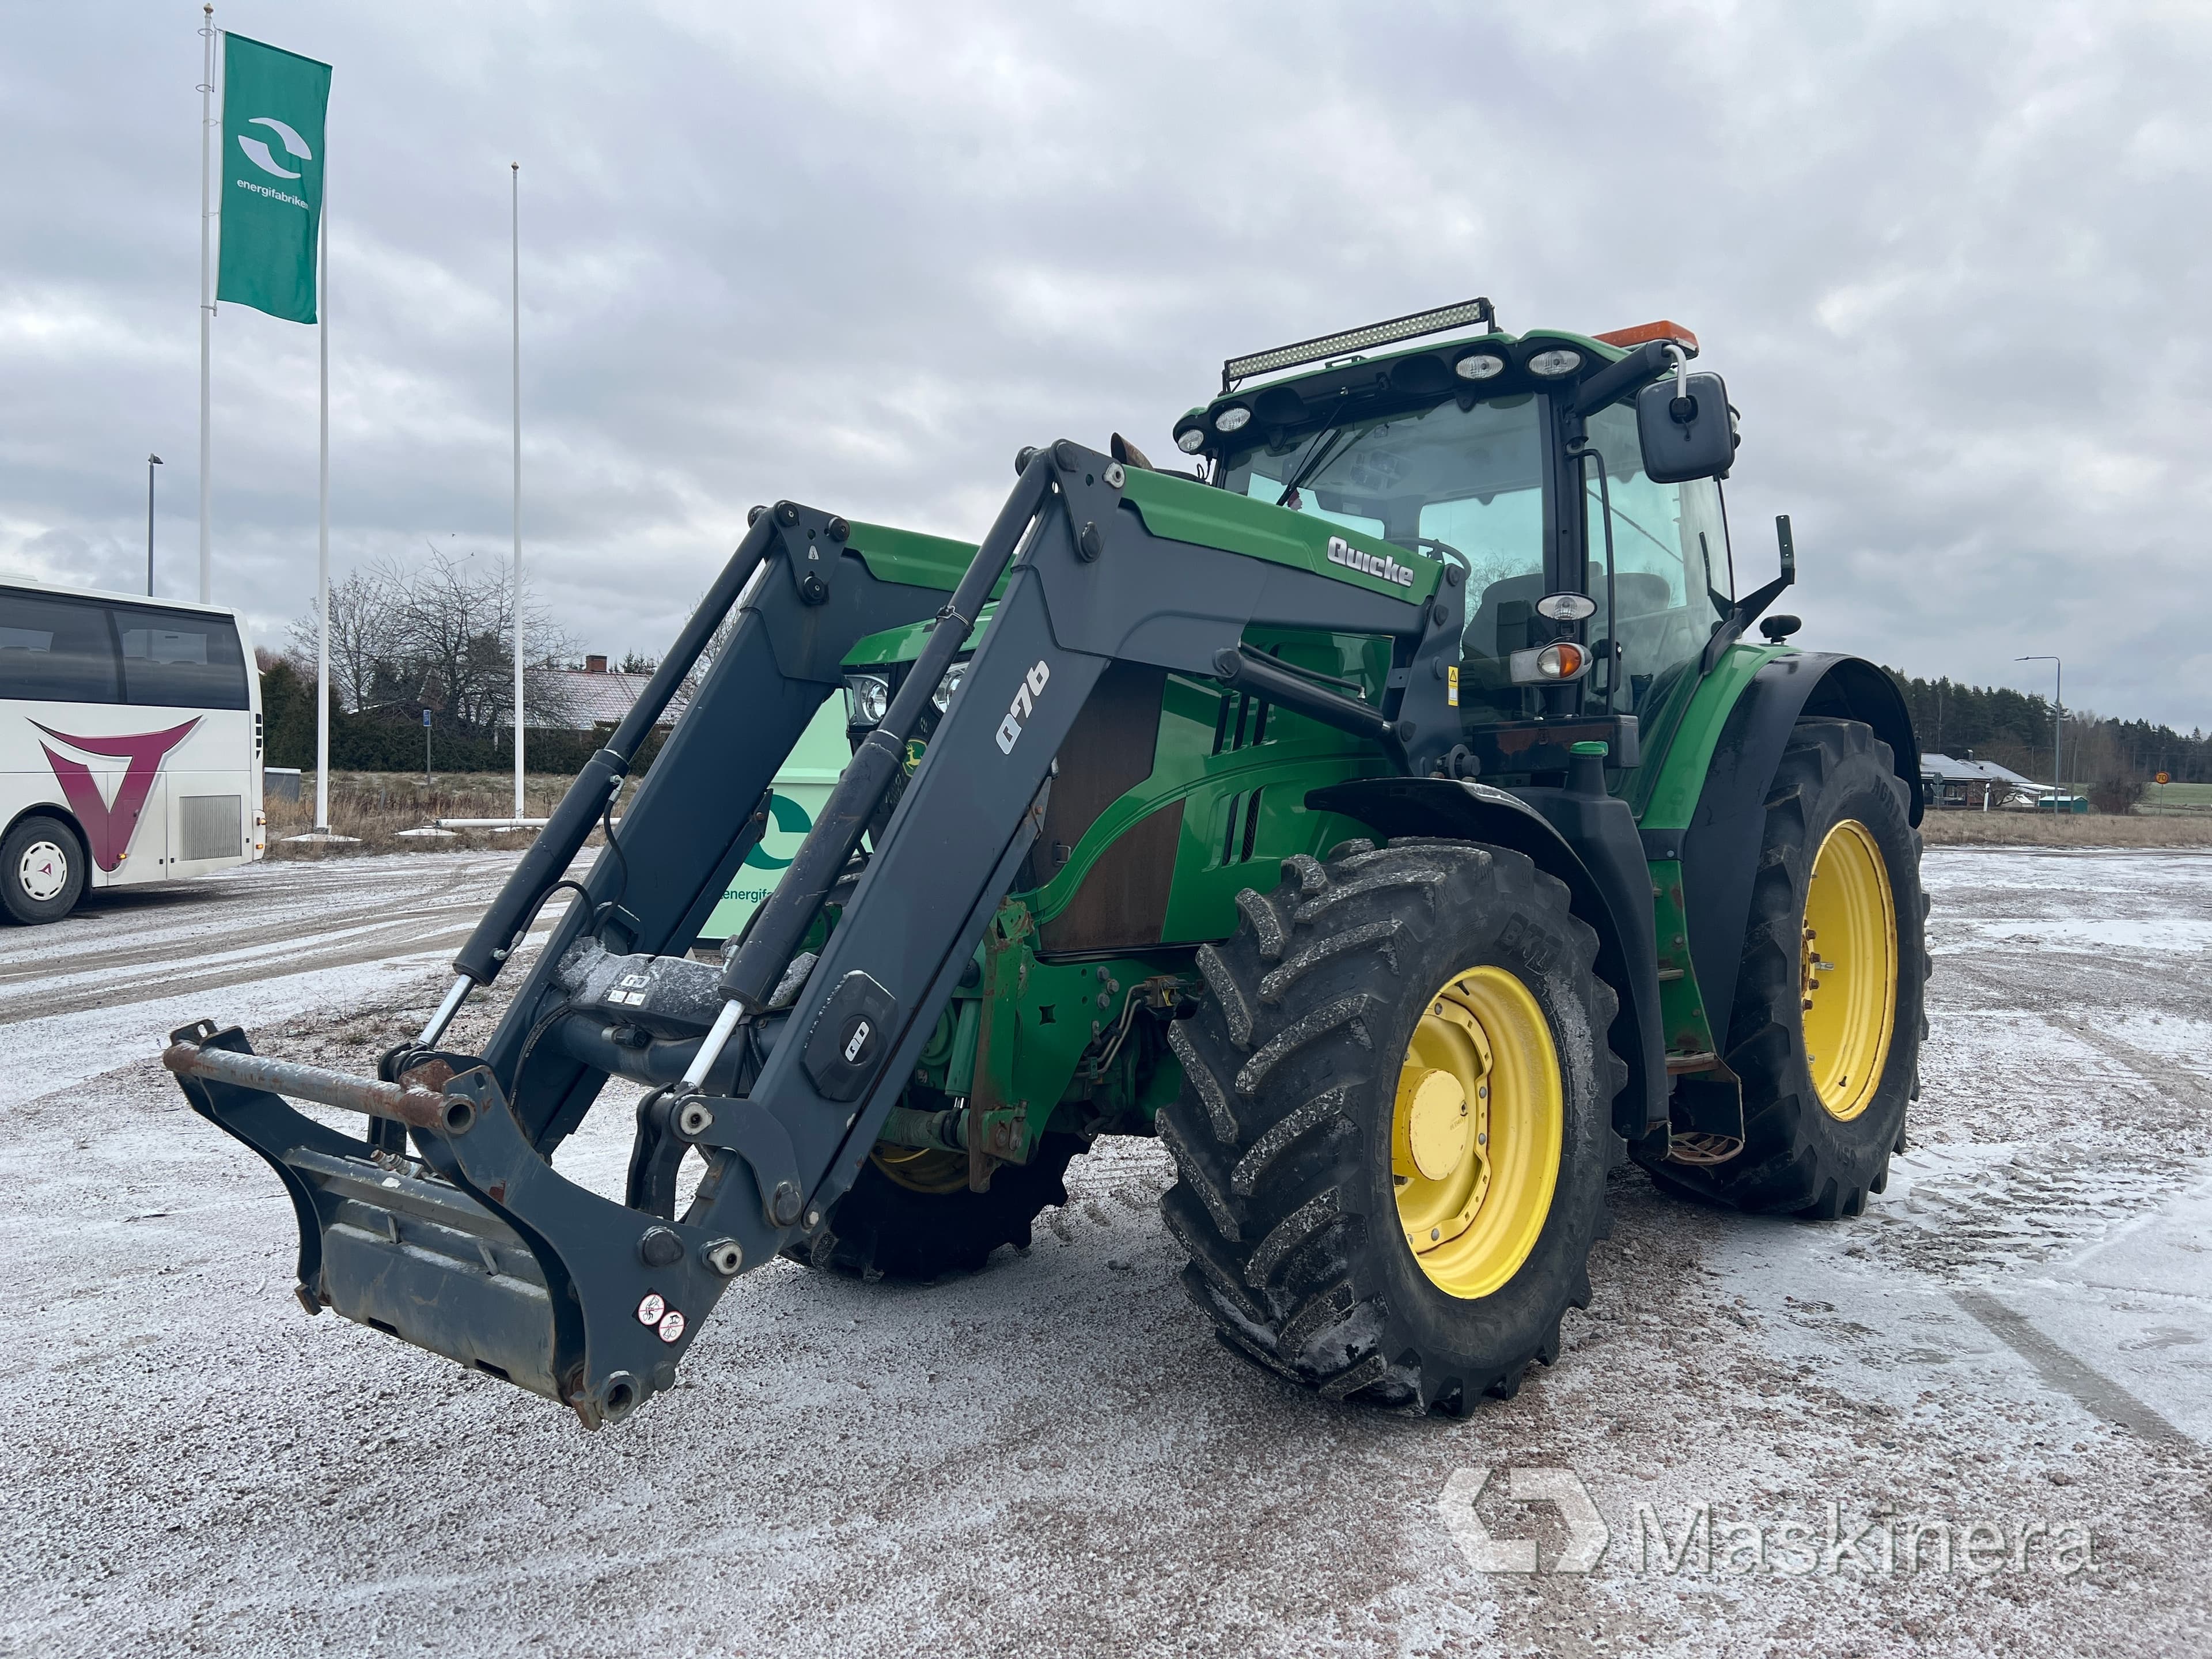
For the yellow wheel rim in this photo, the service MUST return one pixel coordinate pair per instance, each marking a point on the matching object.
(922, 1169)
(1847, 969)
(1475, 1134)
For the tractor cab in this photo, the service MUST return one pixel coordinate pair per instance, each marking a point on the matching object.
(1593, 585)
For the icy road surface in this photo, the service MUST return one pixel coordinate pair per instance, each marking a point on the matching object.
(2011, 1353)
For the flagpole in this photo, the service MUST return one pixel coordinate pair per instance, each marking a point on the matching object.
(514, 221)
(322, 517)
(207, 311)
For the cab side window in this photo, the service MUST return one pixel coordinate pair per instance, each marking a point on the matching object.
(1669, 560)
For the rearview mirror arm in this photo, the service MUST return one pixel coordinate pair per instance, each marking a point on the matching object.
(1749, 609)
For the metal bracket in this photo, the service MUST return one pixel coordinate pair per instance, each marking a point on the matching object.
(1749, 609)
(752, 1132)
(811, 553)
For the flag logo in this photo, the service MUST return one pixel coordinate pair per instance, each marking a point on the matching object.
(272, 198)
(256, 151)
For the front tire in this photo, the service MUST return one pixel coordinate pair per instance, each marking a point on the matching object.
(1830, 1005)
(1393, 1134)
(41, 871)
(911, 1215)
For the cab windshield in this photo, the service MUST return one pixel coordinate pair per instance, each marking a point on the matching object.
(1466, 484)
(1442, 481)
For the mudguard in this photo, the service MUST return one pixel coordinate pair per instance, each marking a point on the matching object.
(1719, 848)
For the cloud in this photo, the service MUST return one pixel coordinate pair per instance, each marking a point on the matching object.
(1943, 256)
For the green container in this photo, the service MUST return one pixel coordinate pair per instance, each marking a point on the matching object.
(802, 786)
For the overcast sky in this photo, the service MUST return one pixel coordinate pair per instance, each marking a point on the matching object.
(1951, 260)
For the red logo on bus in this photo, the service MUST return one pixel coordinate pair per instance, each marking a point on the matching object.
(109, 828)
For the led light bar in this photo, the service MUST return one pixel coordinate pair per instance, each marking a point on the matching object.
(1359, 339)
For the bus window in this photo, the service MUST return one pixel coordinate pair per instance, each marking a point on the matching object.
(181, 660)
(55, 650)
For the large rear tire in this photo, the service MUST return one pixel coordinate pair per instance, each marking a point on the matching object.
(1830, 1005)
(911, 1215)
(1392, 1138)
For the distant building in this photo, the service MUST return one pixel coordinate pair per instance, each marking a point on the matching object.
(1973, 784)
(595, 695)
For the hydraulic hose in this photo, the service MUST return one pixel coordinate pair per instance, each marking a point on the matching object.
(751, 979)
(570, 826)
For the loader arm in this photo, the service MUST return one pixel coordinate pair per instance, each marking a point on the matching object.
(694, 819)
(1093, 585)
(477, 1248)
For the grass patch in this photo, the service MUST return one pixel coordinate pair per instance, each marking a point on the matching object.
(374, 807)
(2063, 829)
(2183, 798)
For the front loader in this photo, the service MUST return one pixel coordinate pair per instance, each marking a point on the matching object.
(1387, 814)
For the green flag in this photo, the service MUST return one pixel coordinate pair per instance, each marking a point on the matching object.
(273, 177)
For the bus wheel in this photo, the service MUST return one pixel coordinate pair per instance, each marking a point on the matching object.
(41, 870)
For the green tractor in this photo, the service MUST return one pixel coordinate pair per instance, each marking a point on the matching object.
(1385, 813)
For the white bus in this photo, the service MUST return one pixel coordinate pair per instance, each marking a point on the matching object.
(130, 745)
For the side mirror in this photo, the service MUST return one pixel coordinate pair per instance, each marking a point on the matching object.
(1684, 428)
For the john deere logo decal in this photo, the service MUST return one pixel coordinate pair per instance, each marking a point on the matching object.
(1368, 564)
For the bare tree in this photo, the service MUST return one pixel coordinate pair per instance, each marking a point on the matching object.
(715, 643)
(437, 635)
(368, 641)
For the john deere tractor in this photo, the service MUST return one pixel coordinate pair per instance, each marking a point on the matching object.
(1385, 812)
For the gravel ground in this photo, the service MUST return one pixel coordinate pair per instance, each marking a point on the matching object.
(1053, 1456)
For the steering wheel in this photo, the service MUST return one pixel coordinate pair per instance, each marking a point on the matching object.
(1446, 549)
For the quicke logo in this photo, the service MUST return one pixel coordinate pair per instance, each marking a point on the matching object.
(1368, 564)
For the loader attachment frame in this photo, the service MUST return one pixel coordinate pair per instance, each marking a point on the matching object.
(476, 1248)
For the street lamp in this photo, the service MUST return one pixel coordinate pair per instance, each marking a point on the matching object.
(2057, 726)
(152, 461)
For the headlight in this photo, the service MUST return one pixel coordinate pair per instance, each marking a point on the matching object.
(1480, 366)
(1552, 364)
(1234, 418)
(943, 695)
(867, 697)
(1566, 607)
(1547, 665)
(1191, 441)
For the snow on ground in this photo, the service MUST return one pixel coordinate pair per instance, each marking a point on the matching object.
(1053, 1456)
